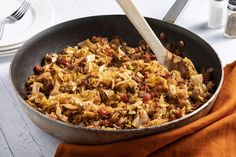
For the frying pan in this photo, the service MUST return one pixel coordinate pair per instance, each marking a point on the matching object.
(70, 33)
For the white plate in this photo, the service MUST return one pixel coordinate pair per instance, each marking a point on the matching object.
(11, 47)
(37, 18)
(8, 53)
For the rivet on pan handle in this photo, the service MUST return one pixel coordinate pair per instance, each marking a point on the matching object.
(175, 11)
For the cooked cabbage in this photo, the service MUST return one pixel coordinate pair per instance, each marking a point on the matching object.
(108, 85)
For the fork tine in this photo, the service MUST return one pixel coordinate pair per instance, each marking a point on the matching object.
(22, 11)
(20, 7)
(26, 8)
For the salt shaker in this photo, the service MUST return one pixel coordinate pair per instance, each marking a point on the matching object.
(217, 13)
(230, 27)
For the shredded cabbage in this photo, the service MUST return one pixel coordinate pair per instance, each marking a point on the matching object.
(108, 85)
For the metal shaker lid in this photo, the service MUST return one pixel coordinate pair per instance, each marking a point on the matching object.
(232, 5)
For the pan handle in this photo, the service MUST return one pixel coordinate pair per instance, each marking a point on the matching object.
(176, 10)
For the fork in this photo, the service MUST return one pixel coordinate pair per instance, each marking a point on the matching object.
(15, 16)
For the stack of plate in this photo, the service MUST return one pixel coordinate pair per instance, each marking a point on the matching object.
(37, 18)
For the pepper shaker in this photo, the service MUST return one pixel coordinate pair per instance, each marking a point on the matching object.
(217, 13)
(230, 27)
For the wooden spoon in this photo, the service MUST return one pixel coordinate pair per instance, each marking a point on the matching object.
(164, 57)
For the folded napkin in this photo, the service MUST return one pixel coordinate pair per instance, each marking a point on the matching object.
(213, 135)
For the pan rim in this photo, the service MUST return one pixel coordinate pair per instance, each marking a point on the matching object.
(70, 125)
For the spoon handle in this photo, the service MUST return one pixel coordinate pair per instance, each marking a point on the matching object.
(2, 23)
(144, 29)
(175, 11)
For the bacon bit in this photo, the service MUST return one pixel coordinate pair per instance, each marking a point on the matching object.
(124, 98)
(38, 69)
(166, 76)
(149, 56)
(101, 111)
(179, 114)
(145, 74)
(104, 122)
(147, 97)
(64, 61)
(109, 51)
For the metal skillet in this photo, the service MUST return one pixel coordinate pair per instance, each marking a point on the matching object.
(56, 38)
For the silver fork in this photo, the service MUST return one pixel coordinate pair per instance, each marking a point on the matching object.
(15, 16)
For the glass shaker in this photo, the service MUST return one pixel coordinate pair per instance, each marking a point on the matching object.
(230, 27)
(217, 13)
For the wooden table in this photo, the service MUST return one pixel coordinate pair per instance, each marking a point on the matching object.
(19, 137)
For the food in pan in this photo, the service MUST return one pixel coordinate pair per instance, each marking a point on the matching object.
(106, 84)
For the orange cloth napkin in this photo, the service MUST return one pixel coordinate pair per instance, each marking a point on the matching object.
(211, 136)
